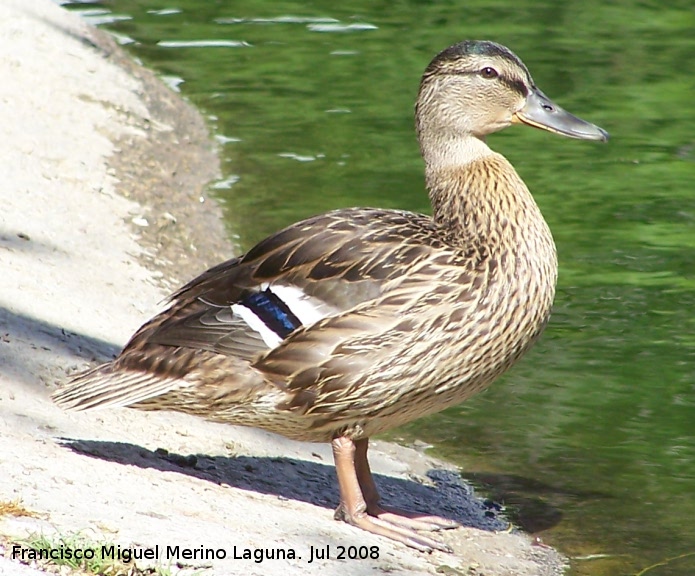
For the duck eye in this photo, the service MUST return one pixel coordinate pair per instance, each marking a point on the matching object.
(489, 73)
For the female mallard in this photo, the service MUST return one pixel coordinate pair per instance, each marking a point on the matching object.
(357, 321)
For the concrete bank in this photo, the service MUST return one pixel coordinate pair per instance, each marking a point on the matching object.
(103, 213)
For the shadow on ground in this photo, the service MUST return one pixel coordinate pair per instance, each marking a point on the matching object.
(305, 481)
(42, 335)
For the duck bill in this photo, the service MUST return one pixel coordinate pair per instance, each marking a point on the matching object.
(541, 112)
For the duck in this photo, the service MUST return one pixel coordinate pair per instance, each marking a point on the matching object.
(353, 322)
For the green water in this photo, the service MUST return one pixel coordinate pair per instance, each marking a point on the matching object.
(591, 439)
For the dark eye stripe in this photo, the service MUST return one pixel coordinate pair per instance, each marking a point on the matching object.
(516, 85)
(513, 84)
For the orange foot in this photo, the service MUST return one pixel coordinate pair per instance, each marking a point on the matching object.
(359, 502)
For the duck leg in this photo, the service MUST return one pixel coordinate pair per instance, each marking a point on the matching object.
(404, 518)
(353, 508)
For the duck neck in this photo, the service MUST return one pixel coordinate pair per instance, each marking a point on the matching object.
(477, 196)
(443, 152)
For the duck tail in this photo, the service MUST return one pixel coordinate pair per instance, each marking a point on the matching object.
(106, 386)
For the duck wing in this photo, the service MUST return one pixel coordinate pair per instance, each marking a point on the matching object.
(316, 269)
(300, 313)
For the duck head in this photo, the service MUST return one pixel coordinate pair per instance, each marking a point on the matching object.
(475, 88)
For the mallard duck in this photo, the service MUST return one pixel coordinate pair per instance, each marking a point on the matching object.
(354, 322)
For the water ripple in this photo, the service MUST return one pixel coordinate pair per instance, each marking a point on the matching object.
(203, 44)
(279, 20)
(339, 27)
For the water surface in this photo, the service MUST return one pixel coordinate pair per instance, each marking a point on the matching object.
(590, 441)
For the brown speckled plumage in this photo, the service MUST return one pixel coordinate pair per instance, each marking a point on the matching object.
(417, 313)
